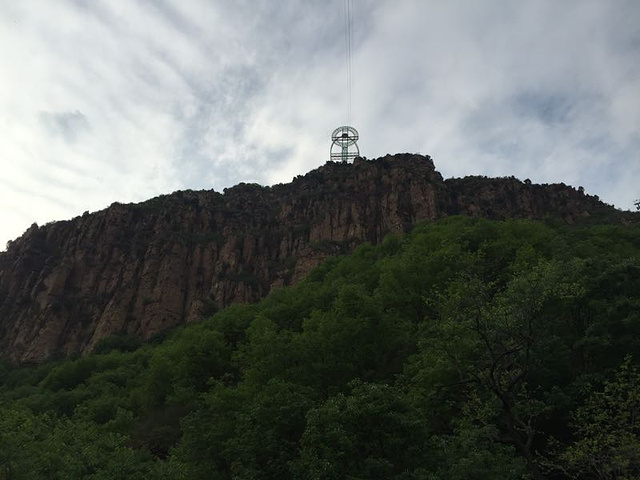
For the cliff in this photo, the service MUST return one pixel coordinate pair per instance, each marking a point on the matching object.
(142, 268)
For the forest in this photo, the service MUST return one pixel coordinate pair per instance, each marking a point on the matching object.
(467, 349)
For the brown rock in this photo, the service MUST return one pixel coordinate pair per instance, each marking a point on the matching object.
(142, 268)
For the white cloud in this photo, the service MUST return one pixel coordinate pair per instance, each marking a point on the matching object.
(123, 100)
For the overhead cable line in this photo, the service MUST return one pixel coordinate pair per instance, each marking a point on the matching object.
(348, 37)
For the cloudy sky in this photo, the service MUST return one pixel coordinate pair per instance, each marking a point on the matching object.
(104, 101)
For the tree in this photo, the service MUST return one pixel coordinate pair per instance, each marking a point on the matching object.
(34, 447)
(268, 431)
(470, 450)
(491, 337)
(204, 449)
(17, 432)
(607, 431)
(372, 433)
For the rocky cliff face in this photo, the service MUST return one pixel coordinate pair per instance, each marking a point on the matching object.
(142, 268)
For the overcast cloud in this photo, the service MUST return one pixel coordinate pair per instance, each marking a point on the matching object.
(104, 101)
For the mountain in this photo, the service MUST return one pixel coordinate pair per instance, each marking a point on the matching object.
(140, 269)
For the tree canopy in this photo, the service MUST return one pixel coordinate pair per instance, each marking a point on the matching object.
(466, 349)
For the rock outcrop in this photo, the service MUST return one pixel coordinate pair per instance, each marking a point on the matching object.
(142, 268)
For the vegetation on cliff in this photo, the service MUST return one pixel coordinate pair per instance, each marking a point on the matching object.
(466, 349)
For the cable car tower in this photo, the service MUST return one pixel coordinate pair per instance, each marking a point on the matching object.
(344, 140)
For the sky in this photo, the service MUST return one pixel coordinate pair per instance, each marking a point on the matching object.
(124, 100)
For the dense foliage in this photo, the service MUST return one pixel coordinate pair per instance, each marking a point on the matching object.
(467, 350)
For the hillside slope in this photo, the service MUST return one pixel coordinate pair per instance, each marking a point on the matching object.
(142, 268)
(467, 349)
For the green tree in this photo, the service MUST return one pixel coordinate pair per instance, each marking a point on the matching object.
(18, 431)
(35, 447)
(607, 431)
(268, 431)
(204, 449)
(491, 337)
(472, 450)
(372, 433)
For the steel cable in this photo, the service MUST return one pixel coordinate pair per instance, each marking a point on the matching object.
(348, 36)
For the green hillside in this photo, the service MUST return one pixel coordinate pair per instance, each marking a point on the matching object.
(469, 349)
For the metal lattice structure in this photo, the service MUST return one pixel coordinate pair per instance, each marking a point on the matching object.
(344, 146)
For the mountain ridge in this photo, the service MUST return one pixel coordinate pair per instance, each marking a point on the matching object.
(142, 268)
